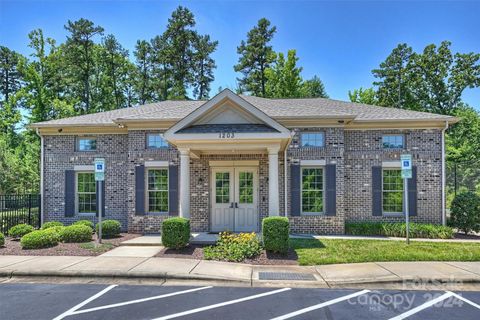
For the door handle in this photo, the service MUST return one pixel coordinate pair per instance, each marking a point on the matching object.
(231, 205)
(236, 205)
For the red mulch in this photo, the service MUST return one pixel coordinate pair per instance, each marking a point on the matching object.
(12, 247)
(265, 258)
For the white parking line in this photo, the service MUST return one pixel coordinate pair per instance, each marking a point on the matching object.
(218, 305)
(320, 305)
(473, 304)
(120, 304)
(423, 306)
(78, 306)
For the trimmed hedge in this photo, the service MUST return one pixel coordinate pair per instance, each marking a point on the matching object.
(40, 239)
(76, 233)
(20, 230)
(51, 224)
(175, 232)
(417, 230)
(276, 234)
(2, 239)
(465, 212)
(87, 223)
(110, 228)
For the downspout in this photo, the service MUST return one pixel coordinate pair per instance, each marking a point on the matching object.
(41, 176)
(285, 172)
(444, 200)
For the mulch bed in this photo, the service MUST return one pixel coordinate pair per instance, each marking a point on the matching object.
(469, 236)
(14, 248)
(265, 258)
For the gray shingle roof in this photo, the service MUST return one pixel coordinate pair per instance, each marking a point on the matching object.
(275, 108)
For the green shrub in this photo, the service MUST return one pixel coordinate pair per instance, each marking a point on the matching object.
(465, 212)
(76, 233)
(40, 239)
(87, 223)
(110, 228)
(51, 224)
(234, 247)
(2, 239)
(417, 230)
(175, 232)
(275, 234)
(20, 230)
(9, 219)
(58, 230)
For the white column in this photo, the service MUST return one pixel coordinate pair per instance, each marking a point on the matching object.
(184, 211)
(273, 195)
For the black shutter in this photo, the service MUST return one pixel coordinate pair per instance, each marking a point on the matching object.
(173, 190)
(102, 195)
(412, 193)
(140, 190)
(377, 191)
(331, 190)
(69, 193)
(295, 179)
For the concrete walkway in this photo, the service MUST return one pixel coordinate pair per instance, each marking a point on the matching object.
(190, 269)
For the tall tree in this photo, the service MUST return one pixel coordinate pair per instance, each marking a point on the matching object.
(283, 78)
(203, 65)
(10, 82)
(80, 52)
(116, 59)
(313, 88)
(256, 56)
(143, 62)
(366, 96)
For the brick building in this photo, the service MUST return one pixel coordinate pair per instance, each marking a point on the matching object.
(228, 162)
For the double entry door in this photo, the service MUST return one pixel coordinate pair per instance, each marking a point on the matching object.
(234, 200)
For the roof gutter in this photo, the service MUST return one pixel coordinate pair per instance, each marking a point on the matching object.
(285, 172)
(41, 175)
(444, 204)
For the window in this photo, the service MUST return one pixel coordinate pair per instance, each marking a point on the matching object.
(314, 139)
(222, 187)
(86, 193)
(393, 141)
(156, 141)
(86, 144)
(245, 186)
(312, 190)
(392, 191)
(157, 190)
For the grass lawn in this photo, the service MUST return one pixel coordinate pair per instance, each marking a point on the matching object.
(329, 251)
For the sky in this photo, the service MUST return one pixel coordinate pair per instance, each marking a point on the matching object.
(340, 41)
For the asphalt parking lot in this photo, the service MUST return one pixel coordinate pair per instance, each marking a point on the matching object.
(109, 302)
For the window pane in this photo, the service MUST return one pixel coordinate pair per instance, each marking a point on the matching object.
(86, 192)
(312, 190)
(222, 187)
(245, 187)
(393, 141)
(155, 141)
(157, 185)
(87, 144)
(392, 200)
(315, 139)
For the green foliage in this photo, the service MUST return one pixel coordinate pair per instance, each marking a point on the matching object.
(256, 56)
(76, 233)
(313, 88)
(465, 212)
(175, 232)
(234, 247)
(87, 223)
(40, 239)
(275, 231)
(20, 230)
(110, 228)
(50, 224)
(2, 239)
(417, 230)
(366, 96)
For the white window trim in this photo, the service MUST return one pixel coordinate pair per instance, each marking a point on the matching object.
(395, 135)
(156, 164)
(156, 134)
(147, 195)
(77, 203)
(391, 214)
(301, 191)
(313, 132)
(77, 143)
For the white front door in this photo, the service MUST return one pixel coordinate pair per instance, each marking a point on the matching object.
(234, 199)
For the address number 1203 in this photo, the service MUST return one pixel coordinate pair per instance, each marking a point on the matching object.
(226, 135)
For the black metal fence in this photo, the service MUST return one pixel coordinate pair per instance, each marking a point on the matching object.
(462, 176)
(19, 208)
